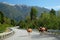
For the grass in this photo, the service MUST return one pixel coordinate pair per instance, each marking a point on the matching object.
(3, 27)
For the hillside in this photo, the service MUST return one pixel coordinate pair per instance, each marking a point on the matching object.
(19, 12)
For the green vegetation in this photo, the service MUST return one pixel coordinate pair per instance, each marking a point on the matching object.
(5, 22)
(33, 13)
(46, 19)
(50, 19)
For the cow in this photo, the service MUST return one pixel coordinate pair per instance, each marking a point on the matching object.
(42, 29)
(29, 30)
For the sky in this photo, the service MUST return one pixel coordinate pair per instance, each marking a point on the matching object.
(55, 4)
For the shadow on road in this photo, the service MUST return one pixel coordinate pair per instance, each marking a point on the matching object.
(57, 36)
(41, 36)
(24, 36)
(37, 36)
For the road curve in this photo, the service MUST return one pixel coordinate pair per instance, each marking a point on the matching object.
(23, 35)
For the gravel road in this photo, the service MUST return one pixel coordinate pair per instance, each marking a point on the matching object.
(23, 35)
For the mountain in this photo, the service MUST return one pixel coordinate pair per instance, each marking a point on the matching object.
(18, 12)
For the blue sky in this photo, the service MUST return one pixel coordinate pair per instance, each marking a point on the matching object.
(55, 4)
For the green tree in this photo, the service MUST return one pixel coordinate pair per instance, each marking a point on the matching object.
(1, 17)
(44, 18)
(33, 13)
(13, 22)
(22, 24)
(52, 12)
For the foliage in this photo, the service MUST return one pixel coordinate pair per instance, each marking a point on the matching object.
(13, 22)
(33, 13)
(46, 19)
(5, 22)
(3, 27)
(1, 17)
(52, 12)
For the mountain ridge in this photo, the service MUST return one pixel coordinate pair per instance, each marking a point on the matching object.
(19, 12)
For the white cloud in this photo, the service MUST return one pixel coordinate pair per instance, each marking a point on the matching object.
(54, 7)
(8, 3)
